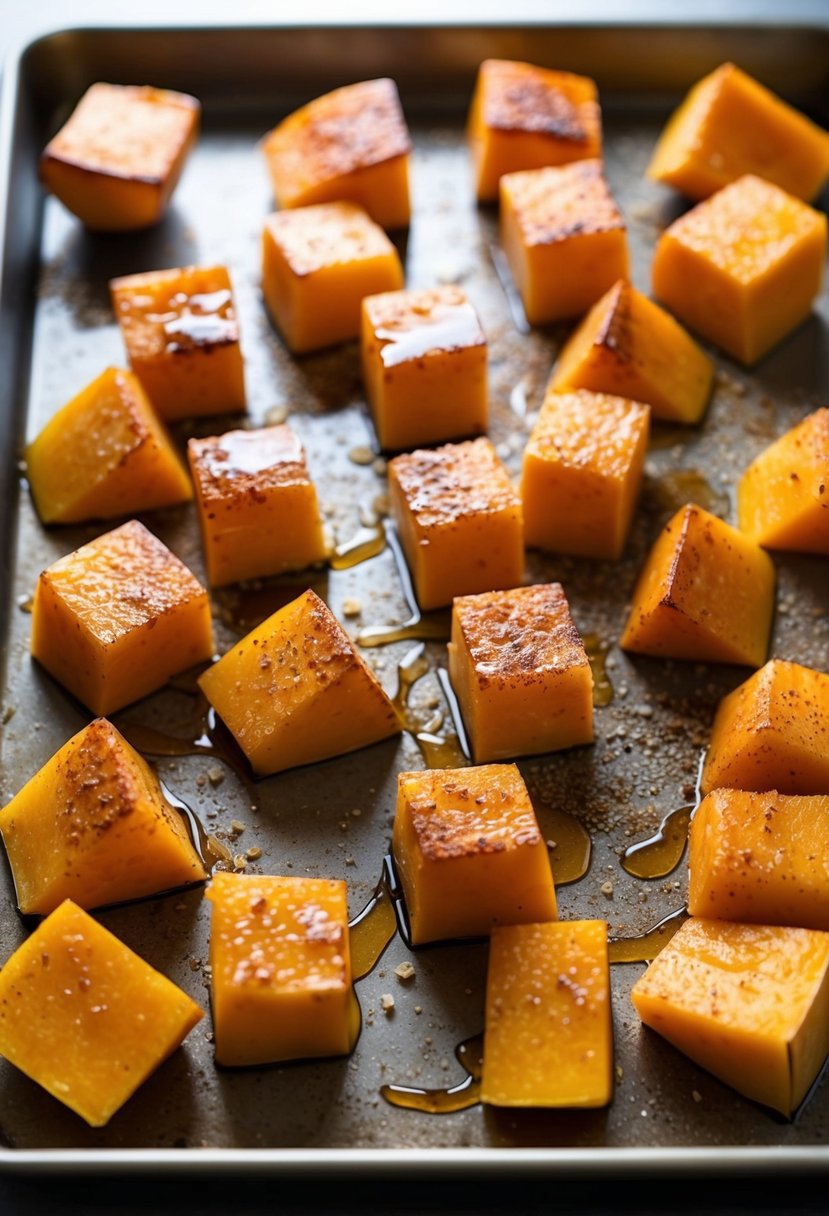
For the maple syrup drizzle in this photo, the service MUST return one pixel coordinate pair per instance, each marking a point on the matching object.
(369, 542)
(418, 626)
(597, 657)
(209, 848)
(242, 608)
(465, 1094)
(661, 853)
(26, 603)
(571, 848)
(438, 750)
(373, 928)
(210, 737)
(644, 947)
(677, 487)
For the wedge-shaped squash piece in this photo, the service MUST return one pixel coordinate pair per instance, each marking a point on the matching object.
(564, 237)
(629, 347)
(317, 265)
(469, 852)
(182, 339)
(730, 124)
(744, 267)
(424, 358)
(114, 620)
(548, 1037)
(350, 144)
(748, 1002)
(258, 507)
(85, 1017)
(117, 160)
(459, 520)
(94, 826)
(772, 733)
(706, 592)
(581, 473)
(295, 690)
(783, 496)
(280, 985)
(520, 672)
(526, 117)
(105, 454)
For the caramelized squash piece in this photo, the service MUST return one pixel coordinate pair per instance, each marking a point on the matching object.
(783, 496)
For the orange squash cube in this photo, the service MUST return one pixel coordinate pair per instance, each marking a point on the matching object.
(469, 853)
(459, 520)
(548, 1038)
(117, 160)
(353, 144)
(182, 339)
(706, 593)
(783, 496)
(564, 237)
(85, 1017)
(114, 620)
(520, 672)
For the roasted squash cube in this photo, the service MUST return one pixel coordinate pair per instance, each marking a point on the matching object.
(295, 690)
(783, 496)
(85, 1017)
(114, 620)
(469, 853)
(117, 160)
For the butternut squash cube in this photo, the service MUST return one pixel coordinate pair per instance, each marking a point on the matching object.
(317, 265)
(744, 267)
(280, 985)
(582, 471)
(761, 858)
(772, 733)
(526, 117)
(258, 507)
(295, 690)
(117, 160)
(93, 826)
(105, 454)
(469, 853)
(748, 1002)
(730, 124)
(706, 593)
(114, 620)
(85, 1017)
(520, 672)
(783, 496)
(564, 238)
(548, 1038)
(353, 144)
(424, 358)
(459, 520)
(182, 339)
(629, 347)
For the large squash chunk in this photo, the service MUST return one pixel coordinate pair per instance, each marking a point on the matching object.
(748, 1002)
(295, 690)
(783, 496)
(85, 1017)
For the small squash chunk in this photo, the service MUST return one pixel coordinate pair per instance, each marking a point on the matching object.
(459, 520)
(783, 496)
(94, 826)
(295, 690)
(182, 339)
(85, 1017)
(742, 268)
(114, 620)
(564, 238)
(705, 593)
(730, 124)
(526, 117)
(117, 160)
(581, 473)
(424, 358)
(317, 265)
(548, 1038)
(761, 858)
(772, 733)
(350, 144)
(105, 454)
(258, 507)
(629, 347)
(280, 985)
(469, 853)
(520, 672)
(748, 1002)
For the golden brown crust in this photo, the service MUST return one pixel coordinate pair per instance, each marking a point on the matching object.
(444, 485)
(561, 202)
(522, 97)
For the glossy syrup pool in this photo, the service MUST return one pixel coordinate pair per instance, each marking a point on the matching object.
(662, 852)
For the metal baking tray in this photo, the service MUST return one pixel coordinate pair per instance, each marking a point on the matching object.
(57, 331)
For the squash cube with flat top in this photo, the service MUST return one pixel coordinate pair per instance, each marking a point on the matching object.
(783, 496)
